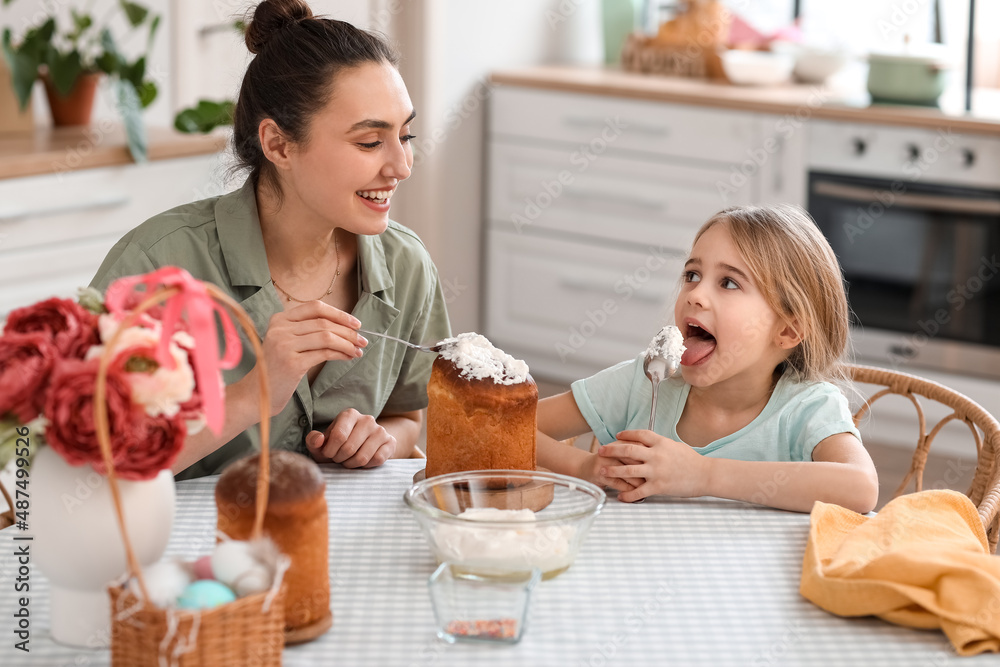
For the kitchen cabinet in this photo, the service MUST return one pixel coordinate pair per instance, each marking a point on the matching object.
(592, 204)
(55, 229)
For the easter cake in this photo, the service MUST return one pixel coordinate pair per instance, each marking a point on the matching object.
(296, 520)
(481, 409)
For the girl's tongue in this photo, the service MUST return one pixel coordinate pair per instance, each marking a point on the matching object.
(697, 348)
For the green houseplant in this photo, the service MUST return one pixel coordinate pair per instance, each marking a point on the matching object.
(65, 58)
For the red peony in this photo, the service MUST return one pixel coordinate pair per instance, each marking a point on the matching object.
(72, 328)
(51, 352)
(26, 359)
(141, 446)
(152, 445)
(69, 407)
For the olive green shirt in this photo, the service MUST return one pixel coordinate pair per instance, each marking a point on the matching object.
(218, 240)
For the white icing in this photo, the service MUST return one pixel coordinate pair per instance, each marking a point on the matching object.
(476, 358)
(668, 343)
(502, 549)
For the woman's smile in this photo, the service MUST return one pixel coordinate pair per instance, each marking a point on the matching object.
(377, 200)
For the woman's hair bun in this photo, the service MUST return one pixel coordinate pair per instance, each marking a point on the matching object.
(271, 16)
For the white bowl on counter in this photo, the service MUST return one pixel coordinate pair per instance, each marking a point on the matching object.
(817, 65)
(757, 68)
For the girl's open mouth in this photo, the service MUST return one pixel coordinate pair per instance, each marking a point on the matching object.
(699, 344)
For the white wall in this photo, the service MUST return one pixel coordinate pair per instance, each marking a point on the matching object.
(210, 56)
(449, 48)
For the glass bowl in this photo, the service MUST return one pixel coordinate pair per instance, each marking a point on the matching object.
(481, 610)
(504, 523)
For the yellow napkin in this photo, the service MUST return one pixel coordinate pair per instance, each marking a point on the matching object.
(923, 562)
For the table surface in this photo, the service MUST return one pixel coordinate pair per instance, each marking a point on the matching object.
(685, 582)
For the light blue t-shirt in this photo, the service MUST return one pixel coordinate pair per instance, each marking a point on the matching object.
(797, 417)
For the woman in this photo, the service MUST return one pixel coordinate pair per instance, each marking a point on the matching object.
(322, 124)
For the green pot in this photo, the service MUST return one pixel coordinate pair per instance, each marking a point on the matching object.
(906, 79)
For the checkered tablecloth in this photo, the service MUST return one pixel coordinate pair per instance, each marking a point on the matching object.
(667, 582)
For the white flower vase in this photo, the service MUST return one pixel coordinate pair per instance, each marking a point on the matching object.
(78, 545)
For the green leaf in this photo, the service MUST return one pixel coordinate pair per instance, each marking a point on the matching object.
(152, 31)
(129, 107)
(108, 43)
(136, 13)
(23, 68)
(107, 63)
(205, 116)
(147, 93)
(81, 23)
(64, 70)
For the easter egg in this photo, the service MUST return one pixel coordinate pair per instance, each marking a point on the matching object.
(165, 582)
(230, 560)
(205, 594)
(203, 568)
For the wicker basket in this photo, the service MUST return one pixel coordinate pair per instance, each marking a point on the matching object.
(648, 56)
(248, 631)
(7, 516)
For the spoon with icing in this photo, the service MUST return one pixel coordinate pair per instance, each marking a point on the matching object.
(661, 360)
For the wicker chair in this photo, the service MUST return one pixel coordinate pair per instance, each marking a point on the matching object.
(985, 489)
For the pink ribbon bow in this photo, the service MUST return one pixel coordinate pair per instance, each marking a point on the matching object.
(201, 309)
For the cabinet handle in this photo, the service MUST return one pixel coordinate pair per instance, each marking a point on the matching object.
(592, 286)
(11, 213)
(957, 204)
(601, 123)
(617, 200)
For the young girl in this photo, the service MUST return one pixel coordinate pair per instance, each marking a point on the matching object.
(764, 317)
(323, 127)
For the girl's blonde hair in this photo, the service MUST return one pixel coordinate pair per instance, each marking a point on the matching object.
(799, 277)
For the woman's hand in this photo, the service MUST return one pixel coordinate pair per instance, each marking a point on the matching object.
(353, 440)
(300, 338)
(667, 466)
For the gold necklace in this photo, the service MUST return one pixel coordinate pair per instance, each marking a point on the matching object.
(329, 290)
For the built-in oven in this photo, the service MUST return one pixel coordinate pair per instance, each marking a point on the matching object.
(914, 219)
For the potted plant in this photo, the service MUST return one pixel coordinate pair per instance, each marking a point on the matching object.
(71, 61)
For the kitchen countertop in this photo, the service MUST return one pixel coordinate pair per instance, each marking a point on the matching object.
(54, 150)
(806, 100)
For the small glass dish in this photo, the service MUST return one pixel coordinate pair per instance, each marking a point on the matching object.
(481, 610)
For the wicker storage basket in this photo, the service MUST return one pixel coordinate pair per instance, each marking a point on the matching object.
(246, 632)
(648, 56)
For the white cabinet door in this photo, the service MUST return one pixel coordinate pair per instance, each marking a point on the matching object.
(570, 309)
(639, 201)
(599, 123)
(55, 230)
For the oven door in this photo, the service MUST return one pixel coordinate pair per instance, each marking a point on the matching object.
(922, 265)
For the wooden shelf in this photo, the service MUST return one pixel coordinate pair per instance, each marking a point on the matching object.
(55, 150)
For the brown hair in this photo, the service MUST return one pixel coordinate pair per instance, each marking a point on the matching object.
(799, 277)
(292, 76)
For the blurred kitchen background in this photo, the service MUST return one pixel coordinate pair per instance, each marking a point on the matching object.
(558, 182)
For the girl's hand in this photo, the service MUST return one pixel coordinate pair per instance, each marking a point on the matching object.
(667, 466)
(353, 440)
(300, 338)
(590, 470)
